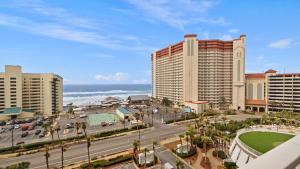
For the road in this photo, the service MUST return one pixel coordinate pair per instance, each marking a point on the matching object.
(79, 152)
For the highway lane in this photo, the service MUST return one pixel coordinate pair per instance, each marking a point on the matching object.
(79, 152)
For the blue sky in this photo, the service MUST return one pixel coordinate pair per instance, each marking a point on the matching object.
(105, 42)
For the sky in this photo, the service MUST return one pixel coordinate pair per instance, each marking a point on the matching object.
(110, 42)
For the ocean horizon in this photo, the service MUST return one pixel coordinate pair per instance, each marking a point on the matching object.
(88, 94)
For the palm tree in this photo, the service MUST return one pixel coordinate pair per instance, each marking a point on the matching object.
(47, 155)
(187, 134)
(137, 117)
(135, 146)
(205, 141)
(154, 143)
(181, 136)
(52, 132)
(57, 129)
(152, 114)
(12, 134)
(88, 142)
(142, 116)
(83, 126)
(145, 153)
(63, 149)
(77, 127)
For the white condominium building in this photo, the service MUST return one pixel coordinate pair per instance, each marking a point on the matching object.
(196, 73)
(39, 93)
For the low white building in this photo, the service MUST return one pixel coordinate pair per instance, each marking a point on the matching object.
(184, 148)
(149, 157)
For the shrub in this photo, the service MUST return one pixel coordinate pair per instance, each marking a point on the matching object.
(230, 165)
(106, 163)
(21, 165)
(197, 141)
(221, 154)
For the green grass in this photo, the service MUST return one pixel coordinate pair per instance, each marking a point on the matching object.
(96, 119)
(264, 141)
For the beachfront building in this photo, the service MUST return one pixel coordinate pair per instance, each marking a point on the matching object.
(196, 73)
(139, 99)
(38, 93)
(272, 92)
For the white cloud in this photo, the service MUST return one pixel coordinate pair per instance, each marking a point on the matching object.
(261, 57)
(281, 44)
(177, 13)
(141, 81)
(226, 37)
(233, 31)
(119, 76)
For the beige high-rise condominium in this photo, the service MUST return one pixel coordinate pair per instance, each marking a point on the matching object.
(39, 93)
(198, 73)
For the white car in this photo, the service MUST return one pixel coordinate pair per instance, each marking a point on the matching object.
(168, 166)
(82, 115)
(17, 126)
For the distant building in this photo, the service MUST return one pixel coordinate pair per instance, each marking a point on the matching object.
(125, 112)
(139, 99)
(272, 92)
(41, 93)
(197, 72)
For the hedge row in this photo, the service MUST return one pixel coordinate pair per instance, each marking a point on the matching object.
(106, 163)
(21, 165)
(37, 145)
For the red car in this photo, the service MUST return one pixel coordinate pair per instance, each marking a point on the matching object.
(24, 127)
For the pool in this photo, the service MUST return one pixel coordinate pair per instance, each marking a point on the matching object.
(97, 119)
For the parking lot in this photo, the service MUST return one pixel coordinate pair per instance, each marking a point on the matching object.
(63, 121)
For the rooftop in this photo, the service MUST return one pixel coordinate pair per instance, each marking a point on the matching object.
(138, 97)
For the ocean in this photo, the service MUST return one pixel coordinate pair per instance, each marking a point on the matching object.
(81, 95)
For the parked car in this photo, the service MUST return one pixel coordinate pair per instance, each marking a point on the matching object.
(42, 135)
(24, 134)
(70, 125)
(25, 127)
(103, 124)
(110, 123)
(37, 132)
(83, 116)
(20, 142)
(2, 123)
(2, 130)
(39, 123)
(31, 127)
(168, 166)
(17, 126)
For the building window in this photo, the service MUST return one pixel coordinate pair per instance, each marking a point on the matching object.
(259, 91)
(250, 91)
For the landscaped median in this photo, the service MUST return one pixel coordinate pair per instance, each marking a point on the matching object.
(34, 147)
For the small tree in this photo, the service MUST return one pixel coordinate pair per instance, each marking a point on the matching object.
(57, 129)
(77, 127)
(83, 126)
(154, 143)
(51, 130)
(88, 143)
(47, 155)
(63, 149)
